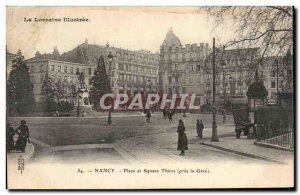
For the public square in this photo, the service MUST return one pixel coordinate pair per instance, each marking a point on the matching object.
(130, 139)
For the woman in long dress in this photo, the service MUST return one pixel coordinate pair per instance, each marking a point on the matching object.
(182, 138)
(10, 132)
(23, 136)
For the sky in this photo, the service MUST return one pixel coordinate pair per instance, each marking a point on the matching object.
(131, 28)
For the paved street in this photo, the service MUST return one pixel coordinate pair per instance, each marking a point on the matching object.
(128, 140)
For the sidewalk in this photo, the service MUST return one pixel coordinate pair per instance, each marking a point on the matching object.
(13, 156)
(246, 147)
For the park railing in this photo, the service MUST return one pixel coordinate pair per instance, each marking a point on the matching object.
(275, 126)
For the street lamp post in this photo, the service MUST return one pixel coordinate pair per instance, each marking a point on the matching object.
(277, 83)
(78, 77)
(224, 91)
(214, 137)
(230, 80)
(110, 59)
(150, 88)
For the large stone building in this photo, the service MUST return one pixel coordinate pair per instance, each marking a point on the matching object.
(180, 67)
(130, 72)
(270, 67)
(189, 70)
(236, 70)
(9, 62)
(177, 69)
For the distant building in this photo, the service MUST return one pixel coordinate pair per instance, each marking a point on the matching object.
(9, 62)
(59, 71)
(131, 71)
(238, 68)
(180, 67)
(285, 79)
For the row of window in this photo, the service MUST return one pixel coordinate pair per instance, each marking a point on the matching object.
(181, 67)
(136, 78)
(237, 61)
(133, 68)
(237, 75)
(273, 84)
(41, 68)
(175, 79)
(239, 89)
(136, 57)
(66, 69)
(184, 57)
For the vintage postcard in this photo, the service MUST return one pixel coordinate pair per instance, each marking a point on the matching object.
(150, 97)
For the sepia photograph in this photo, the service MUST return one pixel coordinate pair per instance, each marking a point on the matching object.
(144, 98)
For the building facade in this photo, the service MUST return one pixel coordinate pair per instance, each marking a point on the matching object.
(236, 69)
(181, 67)
(133, 72)
(130, 72)
(276, 76)
(9, 62)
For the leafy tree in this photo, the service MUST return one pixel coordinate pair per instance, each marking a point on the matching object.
(257, 90)
(60, 90)
(19, 87)
(101, 83)
(10, 95)
(48, 92)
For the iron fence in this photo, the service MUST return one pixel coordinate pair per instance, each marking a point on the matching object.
(275, 126)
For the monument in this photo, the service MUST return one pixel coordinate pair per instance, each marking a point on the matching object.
(82, 105)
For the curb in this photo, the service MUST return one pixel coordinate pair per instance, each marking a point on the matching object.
(244, 154)
(28, 156)
(266, 145)
(29, 151)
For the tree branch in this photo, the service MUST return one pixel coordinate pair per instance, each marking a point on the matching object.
(281, 9)
(230, 43)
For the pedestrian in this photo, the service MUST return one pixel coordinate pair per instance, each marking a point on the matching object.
(238, 131)
(148, 115)
(184, 113)
(200, 128)
(10, 132)
(23, 136)
(182, 138)
(170, 115)
(164, 113)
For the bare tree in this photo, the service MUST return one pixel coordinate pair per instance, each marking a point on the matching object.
(270, 28)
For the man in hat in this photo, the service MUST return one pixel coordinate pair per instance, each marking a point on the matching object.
(200, 128)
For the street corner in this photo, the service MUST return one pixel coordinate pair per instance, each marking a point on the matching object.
(247, 148)
(14, 155)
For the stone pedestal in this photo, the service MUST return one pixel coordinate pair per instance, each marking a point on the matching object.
(83, 102)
